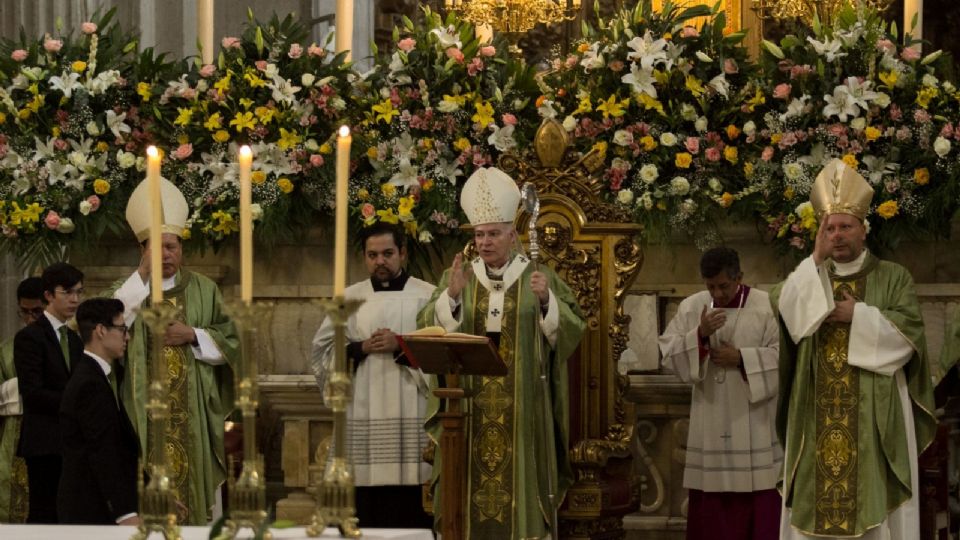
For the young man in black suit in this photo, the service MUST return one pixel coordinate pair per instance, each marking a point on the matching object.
(42, 354)
(100, 448)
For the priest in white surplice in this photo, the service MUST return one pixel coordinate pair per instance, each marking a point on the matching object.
(856, 396)
(385, 435)
(725, 341)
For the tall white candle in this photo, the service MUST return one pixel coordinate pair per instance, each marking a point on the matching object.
(344, 22)
(245, 159)
(911, 8)
(205, 29)
(343, 181)
(156, 225)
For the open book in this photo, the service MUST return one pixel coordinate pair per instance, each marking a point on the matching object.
(434, 350)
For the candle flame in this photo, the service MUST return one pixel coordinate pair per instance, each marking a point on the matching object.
(245, 151)
(344, 131)
(152, 151)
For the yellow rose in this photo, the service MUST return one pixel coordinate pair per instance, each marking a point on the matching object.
(601, 148)
(748, 169)
(372, 153)
(185, 235)
(648, 143)
(583, 47)
(285, 185)
(726, 200)
(363, 194)
(55, 131)
(731, 154)
(427, 184)
(102, 146)
(871, 133)
(851, 160)
(462, 144)
(921, 176)
(733, 132)
(683, 160)
(259, 177)
(775, 138)
(221, 136)
(325, 148)
(389, 190)
(78, 66)
(788, 193)
(3, 118)
(101, 186)
(888, 209)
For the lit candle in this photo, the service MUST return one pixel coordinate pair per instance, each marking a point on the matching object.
(343, 179)
(246, 227)
(911, 8)
(205, 29)
(156, 225)
(344, 23)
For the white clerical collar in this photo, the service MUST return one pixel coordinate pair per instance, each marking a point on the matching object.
(169, 283)
(497, 272)
(852, 267)
(104, 365)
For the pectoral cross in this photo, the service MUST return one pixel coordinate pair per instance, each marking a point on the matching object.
(495, 312)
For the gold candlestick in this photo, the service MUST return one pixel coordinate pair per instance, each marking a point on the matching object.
(158, 499)
(336, 502)
(247, 494)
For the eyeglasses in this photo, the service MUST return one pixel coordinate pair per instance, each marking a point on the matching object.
(32, 312)
(124, 328)
(74, 293)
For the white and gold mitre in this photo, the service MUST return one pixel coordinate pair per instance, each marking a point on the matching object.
(839, 189)
(173, 204)
(490, 196)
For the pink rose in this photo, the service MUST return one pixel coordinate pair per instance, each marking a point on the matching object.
(570, 61)
(207, 70)
(886, 45)
(261, 65)
(296, 51)
(407, 44)
(837, 130)
(183, 151)
(509, 119)
(52, 220)
(367, 211)
(316, 160)
(689, 32)
(712, 154)
(800, 71)
(616, 66)
(475, 66)
(316, 50)
(52, 45)
(782, 91)
(18, 55)
(88, 28)
(94, 202)
(230, 43)
(730, 66)
(60, 144)
(456, 54)
(767, 153)
(921, 116)
(947, 130)
(488, 50)
(910, 54)
(692, 144)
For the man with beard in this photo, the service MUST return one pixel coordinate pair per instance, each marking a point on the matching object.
(385, 435)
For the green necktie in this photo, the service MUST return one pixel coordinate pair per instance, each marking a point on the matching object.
(65, 346)
(112, 379)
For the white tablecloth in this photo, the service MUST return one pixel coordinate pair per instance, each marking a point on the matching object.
(107, 532)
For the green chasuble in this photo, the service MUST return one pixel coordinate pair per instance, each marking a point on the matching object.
(13, 470)
(507, 490)
(847, 463)
(200, 395)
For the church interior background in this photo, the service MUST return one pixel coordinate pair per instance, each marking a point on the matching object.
(637, 271)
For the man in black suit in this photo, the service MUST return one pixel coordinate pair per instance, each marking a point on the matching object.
(42, 354)
(100, 447)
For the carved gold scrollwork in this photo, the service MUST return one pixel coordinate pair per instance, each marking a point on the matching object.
(646, 435)
(579, 268)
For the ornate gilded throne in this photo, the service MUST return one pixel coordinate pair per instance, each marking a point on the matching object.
(593, 245)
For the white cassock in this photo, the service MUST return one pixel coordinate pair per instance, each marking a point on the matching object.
(385, 434)
(875, 345)
(732, 441)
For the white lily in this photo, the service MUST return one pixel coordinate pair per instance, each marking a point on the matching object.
(640, 80)
(407, 174)
(115, 123)
(448, 37)
(66, 84)
(647, 50)
(720, 84)
(592, 59)
(830, 48)
(841, 104)
(502, 138)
